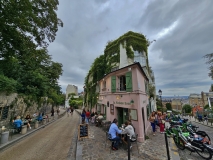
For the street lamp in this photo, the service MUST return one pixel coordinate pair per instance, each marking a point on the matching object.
(160, 93)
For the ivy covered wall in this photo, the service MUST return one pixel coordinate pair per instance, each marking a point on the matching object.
(111, 58)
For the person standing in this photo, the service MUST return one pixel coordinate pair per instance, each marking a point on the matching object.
(87, 116)
(68, 112)
(71, 111)
(161, 122)
(52, 112)
(152, 121)
(113, 131)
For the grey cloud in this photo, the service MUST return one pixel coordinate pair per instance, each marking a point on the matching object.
(175, 58)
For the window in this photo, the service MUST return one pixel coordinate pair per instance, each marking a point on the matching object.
(5, 112)
(104, 86)
(122, 83)
(140, 57)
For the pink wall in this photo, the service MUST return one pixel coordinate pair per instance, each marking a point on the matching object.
(138, 96)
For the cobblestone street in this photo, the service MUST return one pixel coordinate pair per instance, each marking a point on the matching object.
(94, 147)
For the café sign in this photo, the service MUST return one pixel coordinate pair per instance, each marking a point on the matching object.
(123, 103)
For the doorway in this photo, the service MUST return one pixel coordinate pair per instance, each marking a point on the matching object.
(144, 133)
(123, 115)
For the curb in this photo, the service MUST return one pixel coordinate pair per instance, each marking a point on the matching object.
(9, 143)
(173, 150)
(79, 147)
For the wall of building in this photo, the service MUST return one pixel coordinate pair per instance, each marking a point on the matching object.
(123, 100)
(71, 89)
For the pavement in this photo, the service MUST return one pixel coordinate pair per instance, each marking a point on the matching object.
(18, 137)
(192, 119)
(93, 147)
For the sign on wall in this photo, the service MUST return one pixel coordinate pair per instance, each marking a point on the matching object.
(133, 114)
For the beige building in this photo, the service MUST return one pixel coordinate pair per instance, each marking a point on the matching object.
(205, 96)
(176, 104)
(195, 100)
(71, 89)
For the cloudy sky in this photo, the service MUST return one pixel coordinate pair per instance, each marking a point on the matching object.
(183, 31)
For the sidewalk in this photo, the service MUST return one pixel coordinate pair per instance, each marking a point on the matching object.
(196, 121)
(18, 136)
(93, 148)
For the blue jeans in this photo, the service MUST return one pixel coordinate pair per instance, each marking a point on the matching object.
(87, 120)
(117, 139)
(153, 126)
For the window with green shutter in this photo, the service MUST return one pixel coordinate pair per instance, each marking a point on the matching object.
(113, 83)
(129, 81)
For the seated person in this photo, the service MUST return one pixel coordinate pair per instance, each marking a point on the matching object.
(99, 119)
(18, 123)
(100, 116)
(130, 131)
(29, 119)
(40, 118)
(113, 131)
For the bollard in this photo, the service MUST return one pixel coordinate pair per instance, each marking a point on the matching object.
(44, 121)
(4, 137)
(36, 124)
(128, 139)
(167, 147)
(24, 129)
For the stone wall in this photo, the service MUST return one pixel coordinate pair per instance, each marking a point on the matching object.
(17, 107)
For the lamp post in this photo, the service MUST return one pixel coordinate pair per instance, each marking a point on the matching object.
(160, 93)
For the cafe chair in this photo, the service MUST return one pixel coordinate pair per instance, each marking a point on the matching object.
(108, 137)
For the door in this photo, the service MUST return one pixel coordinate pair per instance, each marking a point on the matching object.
(120, 116)
(125, 115)
(144, 133)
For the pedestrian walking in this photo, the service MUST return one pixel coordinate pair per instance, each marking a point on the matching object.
(87, 116)
(52, 112)
(58, 111)
(71, 111)
(152, 121)
(68, 112)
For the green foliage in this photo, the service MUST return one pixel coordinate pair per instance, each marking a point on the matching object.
(104, 63)
(187, 108)
(206, 106)
(26, 28)
(7, 84)
(168, 106)
(151, 90)
(71, 95)
(25, 23)
(76, 102)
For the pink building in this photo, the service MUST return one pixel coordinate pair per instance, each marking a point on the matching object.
(124, 95)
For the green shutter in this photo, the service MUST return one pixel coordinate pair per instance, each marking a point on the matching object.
(113, 83)
(129, 81)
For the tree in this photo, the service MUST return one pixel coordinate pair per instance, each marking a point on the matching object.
(206, 106)
(168, 106)
(187, 108)
(209, 61)
(27, 24)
